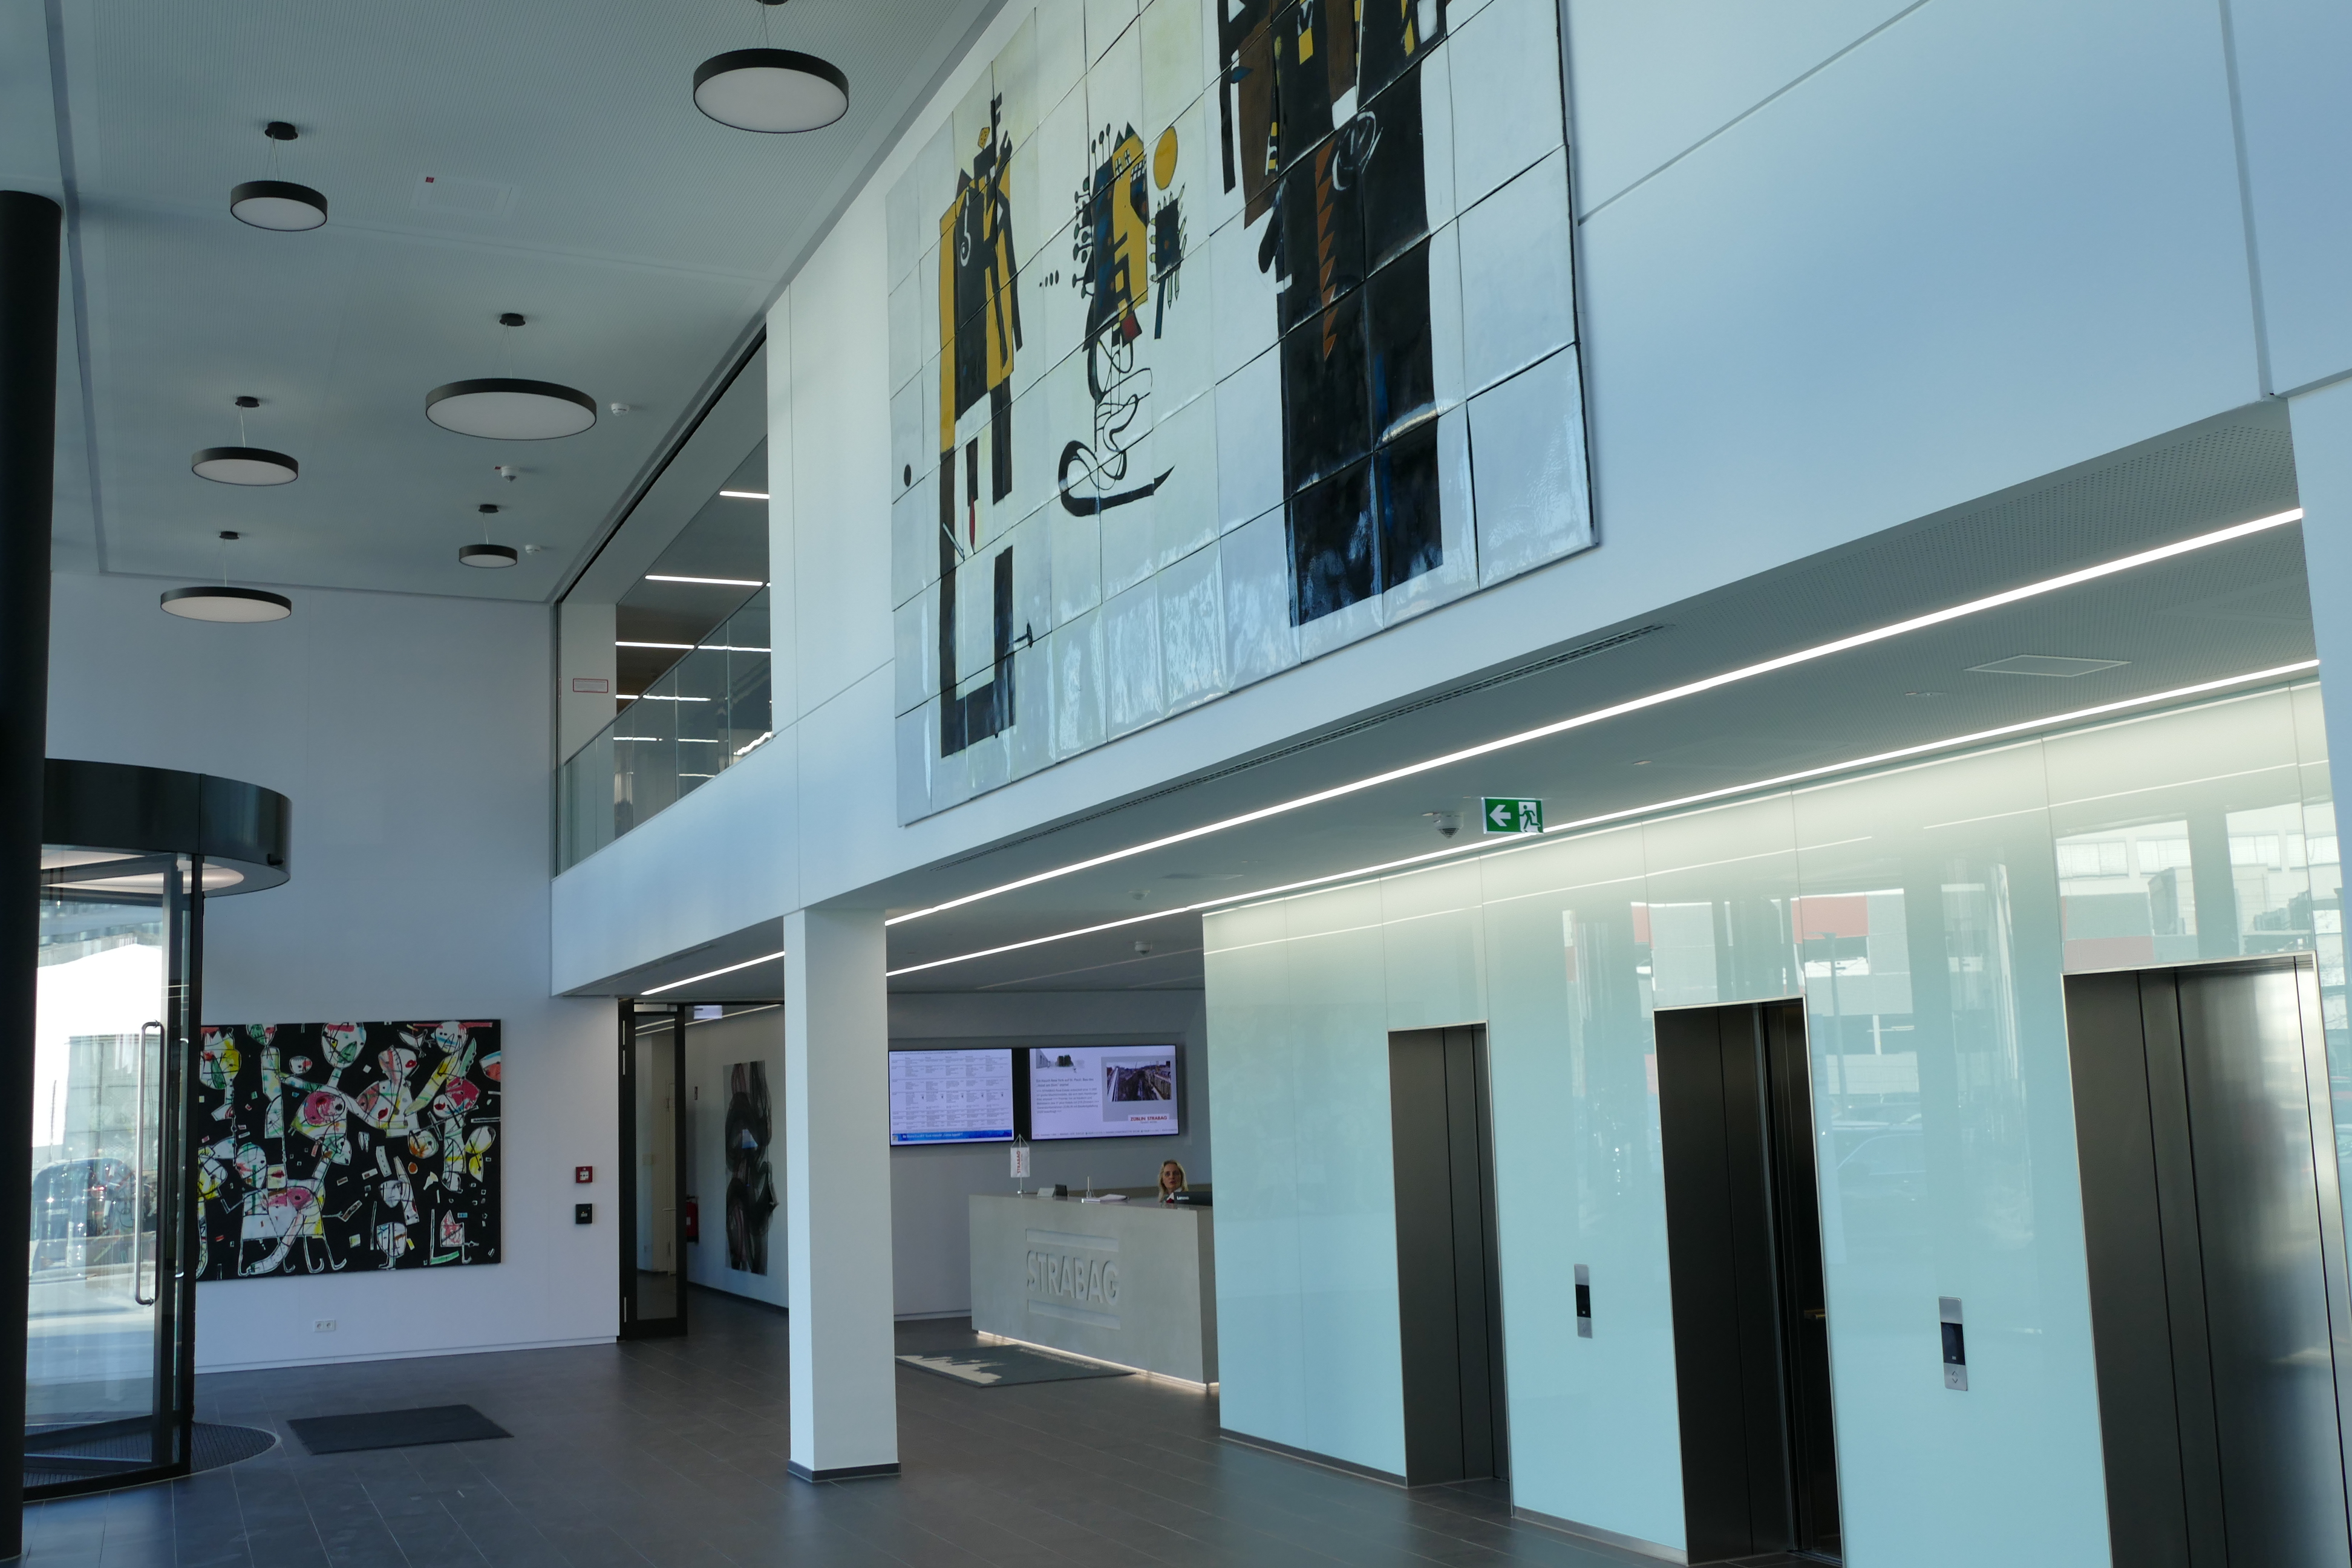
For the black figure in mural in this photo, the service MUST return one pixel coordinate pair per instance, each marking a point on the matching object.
(751, 1180)
(979, 326)
(1118, 245)
(1346, 229)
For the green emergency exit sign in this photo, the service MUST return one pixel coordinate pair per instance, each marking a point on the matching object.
(1514, 816)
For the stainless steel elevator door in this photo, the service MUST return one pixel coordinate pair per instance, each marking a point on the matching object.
(2244, 1054)
(2216, 1262)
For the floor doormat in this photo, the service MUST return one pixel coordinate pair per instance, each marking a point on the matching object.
(993, 1366)
(395, 1428)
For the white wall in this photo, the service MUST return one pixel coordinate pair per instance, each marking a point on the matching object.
(712, 1046)
(930, 1223)
(410, 734)
(1561, 950)
(1838, 273)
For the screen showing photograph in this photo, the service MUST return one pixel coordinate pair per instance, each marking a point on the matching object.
(1102, 1091)
(951, 1097)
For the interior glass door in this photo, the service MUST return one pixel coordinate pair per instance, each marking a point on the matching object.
(106, 1375)
(653, 1127)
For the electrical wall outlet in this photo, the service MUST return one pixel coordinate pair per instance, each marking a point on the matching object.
(322, 1326)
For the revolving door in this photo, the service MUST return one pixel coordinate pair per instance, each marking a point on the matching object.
(129, 856)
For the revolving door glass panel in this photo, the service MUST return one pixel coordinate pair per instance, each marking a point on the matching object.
(106, 1364)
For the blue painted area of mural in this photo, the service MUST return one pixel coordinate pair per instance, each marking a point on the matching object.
(1926, 916)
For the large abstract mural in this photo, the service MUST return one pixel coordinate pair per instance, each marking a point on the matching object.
(332, 1148)
(1223, 333)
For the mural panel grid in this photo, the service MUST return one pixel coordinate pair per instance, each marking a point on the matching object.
(1224, 333)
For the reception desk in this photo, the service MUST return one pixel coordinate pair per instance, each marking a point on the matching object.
(1131, 1283)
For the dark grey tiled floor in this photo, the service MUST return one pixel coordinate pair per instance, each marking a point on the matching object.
(672, 1452)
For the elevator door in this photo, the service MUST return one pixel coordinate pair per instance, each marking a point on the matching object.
(2216, 1255)
(1449, 1299)
(1744, 1247)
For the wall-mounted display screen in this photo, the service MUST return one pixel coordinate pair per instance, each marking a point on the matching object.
(1102, 1091)
(951, 1097)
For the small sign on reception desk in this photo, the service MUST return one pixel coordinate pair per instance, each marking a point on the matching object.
(1132, 1283)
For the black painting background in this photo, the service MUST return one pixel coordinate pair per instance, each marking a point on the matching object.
(356, 1197)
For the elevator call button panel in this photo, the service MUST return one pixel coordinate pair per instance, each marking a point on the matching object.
(1955, 1344)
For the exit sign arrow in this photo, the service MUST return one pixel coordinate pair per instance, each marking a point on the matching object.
(1511, 816)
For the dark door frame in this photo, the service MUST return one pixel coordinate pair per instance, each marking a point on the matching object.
(1745, 1257)
(633, 1327)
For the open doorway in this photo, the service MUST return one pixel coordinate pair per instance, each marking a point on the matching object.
(1449, 1299)
(652, 1171)
(1744, 1244)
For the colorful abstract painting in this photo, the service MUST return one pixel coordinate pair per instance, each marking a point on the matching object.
(328, 1148)
(1224, 333)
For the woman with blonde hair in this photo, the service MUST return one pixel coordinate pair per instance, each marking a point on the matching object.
(1172, 1181)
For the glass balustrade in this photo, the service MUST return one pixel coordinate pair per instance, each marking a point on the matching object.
(706, 713)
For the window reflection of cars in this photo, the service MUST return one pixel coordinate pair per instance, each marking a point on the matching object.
(91, 1202)
(1893, 1164)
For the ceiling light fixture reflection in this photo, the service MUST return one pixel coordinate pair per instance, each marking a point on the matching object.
(1635, 705)
(757, 741)
(1588, 823)
(712, 974)
(745, 495)
(714, 581)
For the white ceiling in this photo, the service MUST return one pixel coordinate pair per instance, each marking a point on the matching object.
(574, 182)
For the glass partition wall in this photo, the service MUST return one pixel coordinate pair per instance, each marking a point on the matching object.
(703, 715)
(108, 1380)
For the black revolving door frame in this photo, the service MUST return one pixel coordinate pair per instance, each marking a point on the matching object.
(129, 856)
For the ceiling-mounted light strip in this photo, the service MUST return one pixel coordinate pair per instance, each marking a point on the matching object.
(1587, 823)
(1635, 705)
(745, 495)
(713, 975)
(690, 646)
(713, 582)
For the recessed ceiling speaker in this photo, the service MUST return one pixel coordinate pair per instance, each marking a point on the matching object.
(244, 466)
(774, 91)
(505, 408)
(279, 204)
(222, 603)
(488, 555)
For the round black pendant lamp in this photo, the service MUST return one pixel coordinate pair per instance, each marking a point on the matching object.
(244, 465)
(276, 203)
(223, 603)
(486, 555)
(510, 408)
(776, 92)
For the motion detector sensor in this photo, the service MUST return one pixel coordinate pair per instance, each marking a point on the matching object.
(618, 407)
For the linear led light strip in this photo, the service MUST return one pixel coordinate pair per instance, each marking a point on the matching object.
(1949, 743)
(745, 495)
(747, 582)
(713, 975)
(1655, 699)
(690, 646)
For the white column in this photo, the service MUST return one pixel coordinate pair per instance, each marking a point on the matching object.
(2322, 474)
(837, 1195)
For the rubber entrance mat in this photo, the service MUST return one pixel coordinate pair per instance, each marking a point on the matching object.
(395, 1428)
(993, 1366)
